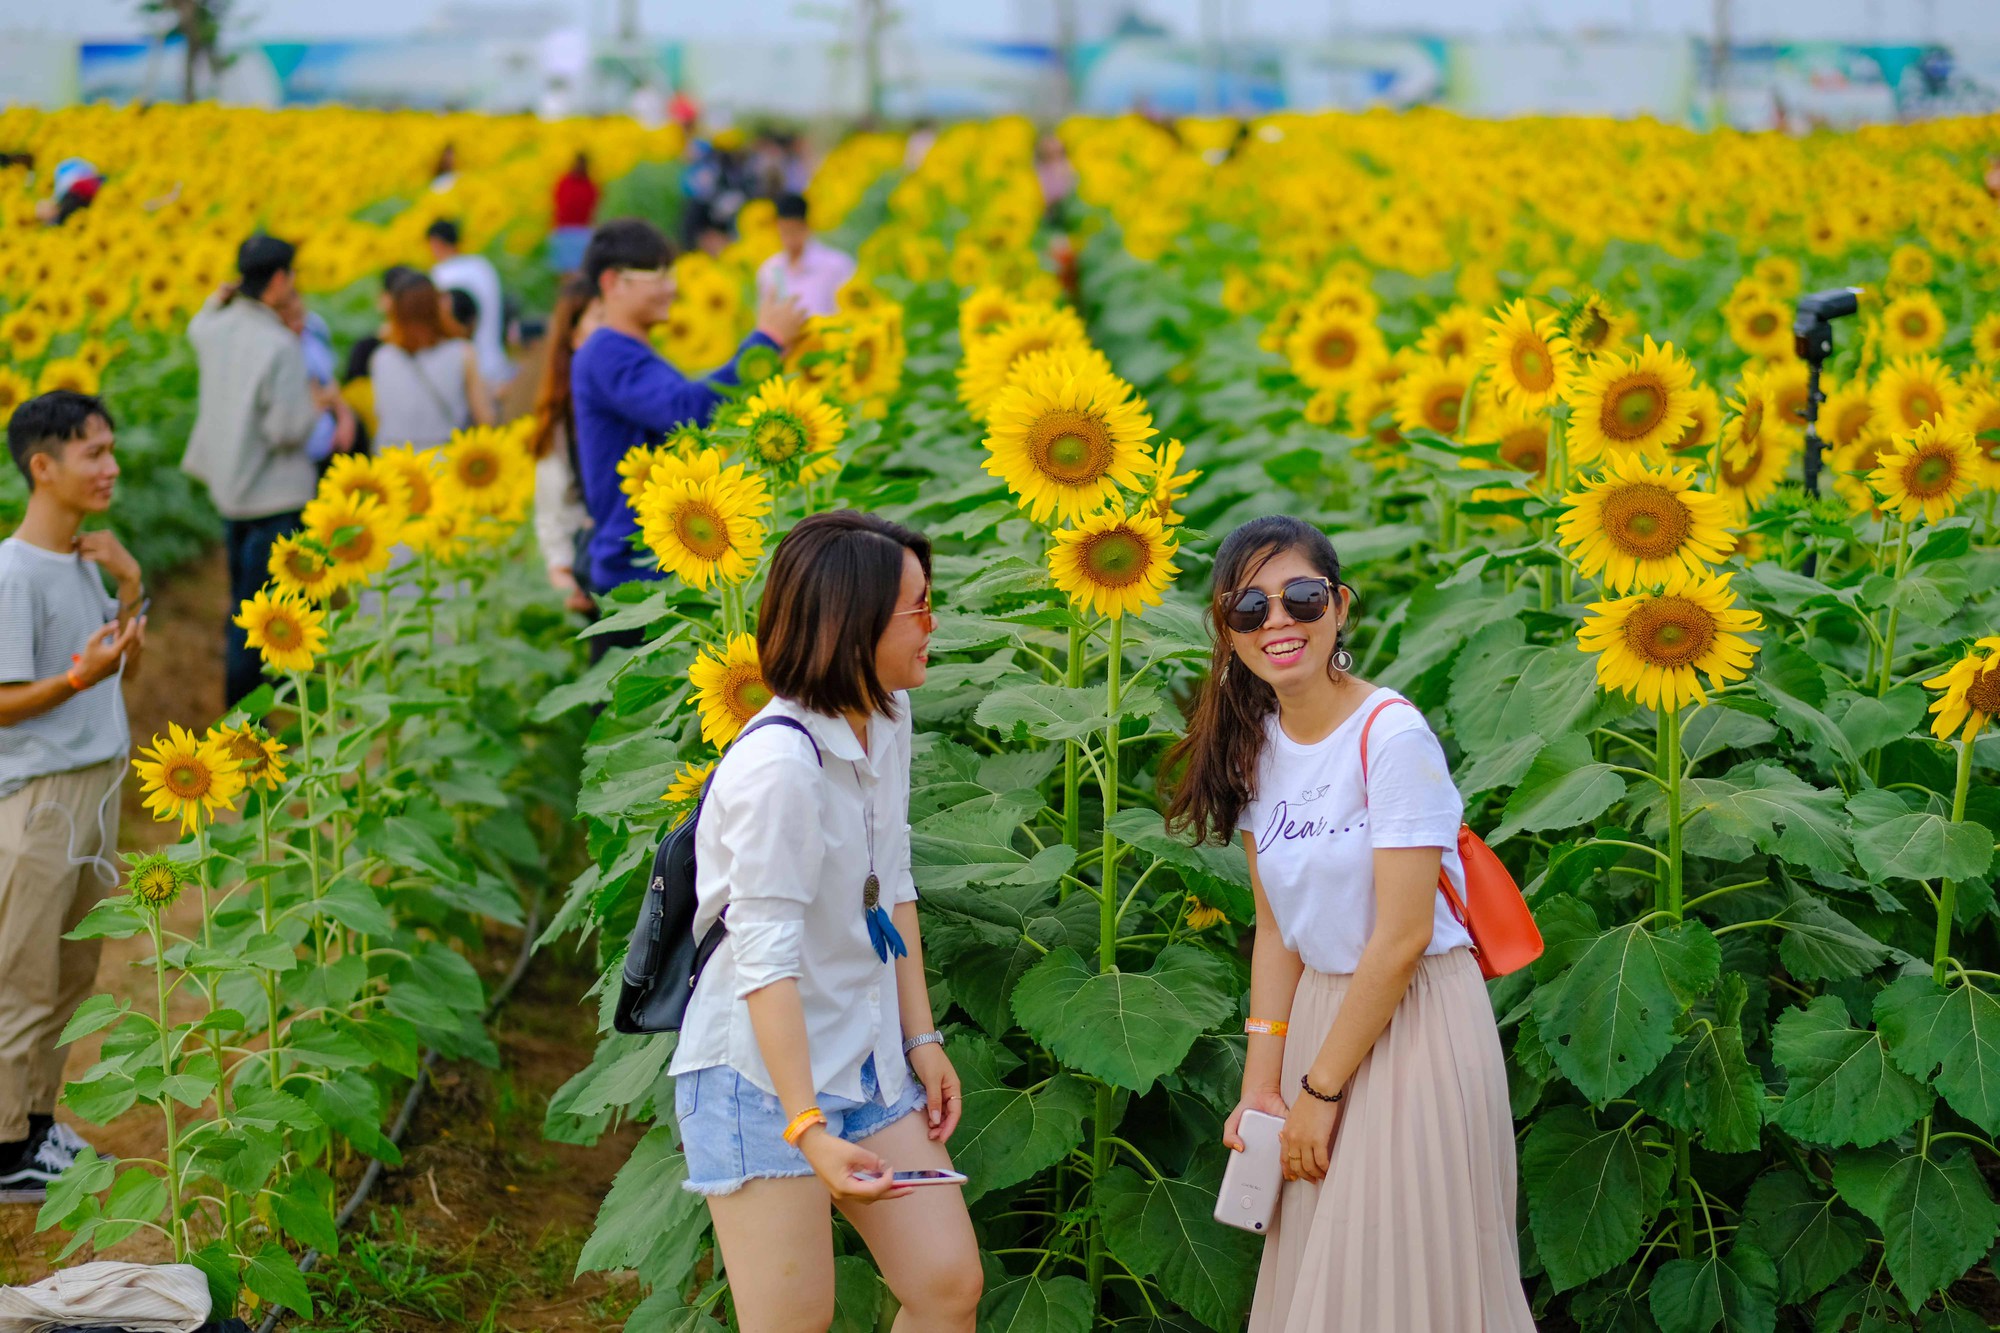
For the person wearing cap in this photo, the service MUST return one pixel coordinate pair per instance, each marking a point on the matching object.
(805, 268)
(255, 411)
(76, 183)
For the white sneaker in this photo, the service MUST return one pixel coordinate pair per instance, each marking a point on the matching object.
(68, 1138)
(44, 1161)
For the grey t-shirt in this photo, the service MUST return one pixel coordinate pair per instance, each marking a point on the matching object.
(50, 605)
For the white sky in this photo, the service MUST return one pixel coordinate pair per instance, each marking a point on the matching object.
(1965, 21)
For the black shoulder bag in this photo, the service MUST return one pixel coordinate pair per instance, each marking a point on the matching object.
(665, 960)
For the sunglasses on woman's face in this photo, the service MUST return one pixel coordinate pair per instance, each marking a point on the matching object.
(1304, 600)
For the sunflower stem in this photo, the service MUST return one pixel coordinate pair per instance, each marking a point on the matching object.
(1073, 753)
(265, 916)
(1670, 768)
(1948, 895)
(1107, 942)
(176, 1225)
(1895, 612)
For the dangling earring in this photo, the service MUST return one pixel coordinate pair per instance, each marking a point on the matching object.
(1342, 662)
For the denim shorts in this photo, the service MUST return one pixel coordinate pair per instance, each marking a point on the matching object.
(733, 1131)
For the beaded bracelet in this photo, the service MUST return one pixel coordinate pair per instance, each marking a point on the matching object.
(1266, 1027)
(802, 1122)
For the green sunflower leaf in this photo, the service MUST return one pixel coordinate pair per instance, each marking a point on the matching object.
(1843, 1088)
(1590, 1193)
(1126, 1028)
(1608, 1019)
(1810, 1235)
(1167, 1228)
(1935, 1213)
(1737, 1291)
(1950, 1036)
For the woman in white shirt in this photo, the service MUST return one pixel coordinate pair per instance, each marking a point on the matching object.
(1371, 1032)
(809, 1045)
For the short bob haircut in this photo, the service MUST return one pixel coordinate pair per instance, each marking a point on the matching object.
(827, 602)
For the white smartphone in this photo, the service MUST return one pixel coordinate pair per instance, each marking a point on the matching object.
(1250, 1184)
(928, 1176)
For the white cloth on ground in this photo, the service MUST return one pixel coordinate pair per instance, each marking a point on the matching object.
(145, 1298)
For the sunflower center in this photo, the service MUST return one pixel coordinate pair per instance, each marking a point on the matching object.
(1532, 367)
(1335, 349)
(1753, 419)
(281, 632)
(746, 691)
(1915, 325)
(1737, 466)
(187, 780)
(1930, 475)
(1633, 409)
(1646, 520)
(1792, 406)
(1442, 407)
(1451, 344)
(478, 470)
(1670, 632)
(420, 494)
(1592, 330)
(1918, 406)
(862, 356)
(1070, 447)
(703, 531)
(1689, 438)
(1983, 695)
(1988, 441)
(1526, 450)
(1762, 324)
(1848, 426)
(1115, 558)
(777, 439)
(356, 548)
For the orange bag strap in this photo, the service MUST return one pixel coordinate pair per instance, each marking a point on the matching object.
(1451, 898)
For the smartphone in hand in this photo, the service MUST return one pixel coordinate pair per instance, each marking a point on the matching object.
(928, 1176)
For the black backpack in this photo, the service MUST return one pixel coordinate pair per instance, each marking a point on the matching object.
(665, 960)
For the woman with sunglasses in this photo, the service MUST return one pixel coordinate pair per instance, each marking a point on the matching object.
(1371, 1034)
(809, 1068)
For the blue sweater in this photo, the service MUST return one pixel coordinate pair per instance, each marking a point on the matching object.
(625, 395)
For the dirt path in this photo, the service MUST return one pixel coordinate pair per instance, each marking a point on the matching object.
(482, 1225)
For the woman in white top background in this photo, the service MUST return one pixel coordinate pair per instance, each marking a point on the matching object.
(426, 372)
(809, 1066)
(1371, 1032)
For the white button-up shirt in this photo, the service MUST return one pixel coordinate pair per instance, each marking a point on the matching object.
(815, 281)
(783, 843)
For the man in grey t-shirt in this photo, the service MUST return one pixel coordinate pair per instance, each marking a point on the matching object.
(64, 645)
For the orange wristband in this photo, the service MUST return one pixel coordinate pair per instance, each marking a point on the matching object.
(1266, 1027)
(74, 683)
(802, 1122)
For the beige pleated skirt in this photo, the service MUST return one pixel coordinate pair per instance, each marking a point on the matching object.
(1412, 1231)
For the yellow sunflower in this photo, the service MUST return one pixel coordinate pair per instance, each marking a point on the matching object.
(1457, 333)
(1322, 408)
(985, 310)
(1640, 527)
(729, 689)
(156, 880)
(415, 473)
(379, 480)
(1980, 414)
(871, 359)
(1704, 430)
(290, 632)
(1066, 436)
(187, 778)
(1971, 689)
(1655, 646)
(1777, 274)
(1169, 485)
(354, 531)
(1432, 395)
(1912, 324)
(1928, 471)
(26, 334)
(1762, 326)
(1913, 390)
(705, 529)
(1787, 384)
(1847, 414)
(14, 390)
(259, 756)
(1986, 339)
(1911, 266)
(687, 783)
(791, 429)
(1331, 347)
(1113, 564)
(1529, 358)
(67, 372)
(1594, 326)
(490, 469)
(1630, 404)
(990, 361)
(300, 568)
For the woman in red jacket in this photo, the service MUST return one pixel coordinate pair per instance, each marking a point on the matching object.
(576, 197)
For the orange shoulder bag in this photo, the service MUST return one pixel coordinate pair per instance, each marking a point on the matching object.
(1504, 935)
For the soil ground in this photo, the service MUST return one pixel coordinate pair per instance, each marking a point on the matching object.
(481, 1227)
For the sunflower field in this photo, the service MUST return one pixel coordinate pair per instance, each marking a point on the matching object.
(1731, 734)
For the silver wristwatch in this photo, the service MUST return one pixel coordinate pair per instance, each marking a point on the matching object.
(923, 1039)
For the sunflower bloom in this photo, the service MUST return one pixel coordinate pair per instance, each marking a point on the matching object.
(289, 632)
(380, 481)
(687, 783)
(1200, 916)
(357, 534)
(705, 529)
(1594, 326)
(1913, 390)
(416, 473)
(1630, 404)
(258, 755)
(1112, 563)
(1986, 339)
(1762, 326)
(187, 778)
(155, 881)
(1331, 347)
(1704, 430)
(729, 689)
(1641, 527)
(1066, 437)
(1530, 358)
(990, 362)
(1655, 646)
(1912, 324)
(1170, 485)
(791, 429)
(1971, 695)
(1927, 472)
(1432, 395)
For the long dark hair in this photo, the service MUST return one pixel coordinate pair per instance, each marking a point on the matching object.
(832, 588)
(553, 404)
(1215, 764)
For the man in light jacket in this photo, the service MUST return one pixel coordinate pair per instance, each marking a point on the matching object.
(256, 412)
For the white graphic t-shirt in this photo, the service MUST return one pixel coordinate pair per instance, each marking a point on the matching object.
(1316, 836)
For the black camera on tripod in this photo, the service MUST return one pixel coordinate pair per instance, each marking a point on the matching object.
(1812, 339)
